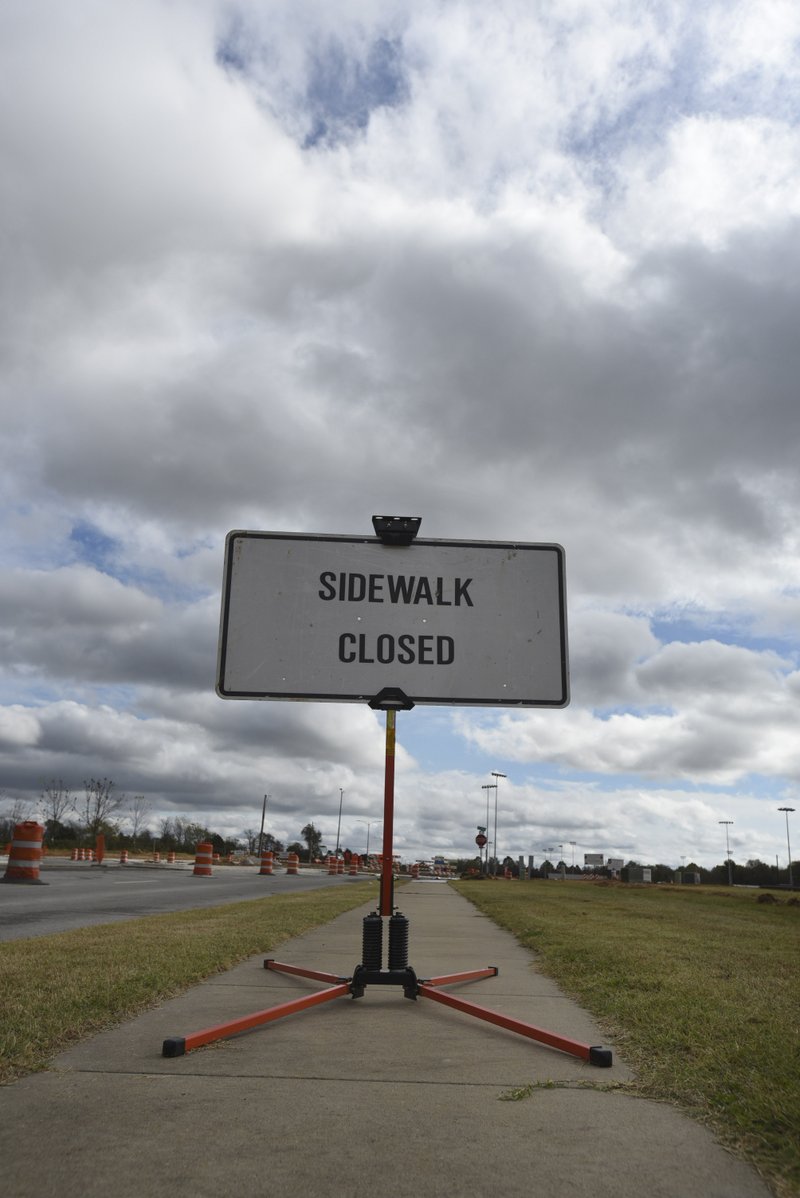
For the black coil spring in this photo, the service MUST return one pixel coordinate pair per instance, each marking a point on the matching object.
(372, 942)
(398, 942)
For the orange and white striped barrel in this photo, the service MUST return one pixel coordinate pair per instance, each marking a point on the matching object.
(340, 865)
(123, 856)
(415, 871)
(74, 856)
(266, 863)
(331, 864)
(203, 855)
(171, 857)
(292, 863)
(157, 858)
(353, 871)
(25, 854)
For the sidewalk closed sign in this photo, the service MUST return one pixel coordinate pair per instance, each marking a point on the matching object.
(341, 618)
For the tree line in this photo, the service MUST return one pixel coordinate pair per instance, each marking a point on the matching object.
(753, 873)
(73, 817)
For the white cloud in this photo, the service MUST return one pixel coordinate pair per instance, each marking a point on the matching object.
(533, 276)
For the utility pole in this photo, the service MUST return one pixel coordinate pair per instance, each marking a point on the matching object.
(727, 823)
(788, 846)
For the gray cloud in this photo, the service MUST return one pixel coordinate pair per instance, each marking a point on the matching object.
(532, 277)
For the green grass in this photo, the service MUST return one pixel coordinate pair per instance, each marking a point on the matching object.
(698, 989)
(56, 990)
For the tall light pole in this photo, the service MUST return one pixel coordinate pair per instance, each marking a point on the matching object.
(727, 823)
(339, 825)
(573, 843)
(788, 846)
(489, 843)
(261, 833)
(368, 822)
(495, 775)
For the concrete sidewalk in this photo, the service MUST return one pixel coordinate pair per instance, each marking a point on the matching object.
(357, 1097)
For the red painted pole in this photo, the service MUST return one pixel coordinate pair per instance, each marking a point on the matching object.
(387, 881)
(595, 1055)
(177, 1046)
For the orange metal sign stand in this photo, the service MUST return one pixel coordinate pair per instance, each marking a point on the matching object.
(370, 972)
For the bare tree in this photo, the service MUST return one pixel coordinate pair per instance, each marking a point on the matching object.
(138, 811)
(55, 801)
(20, 811)
(99, 805)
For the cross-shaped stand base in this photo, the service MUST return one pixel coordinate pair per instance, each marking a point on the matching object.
(371, 972)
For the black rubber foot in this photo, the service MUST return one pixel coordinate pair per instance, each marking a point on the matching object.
(175, 1046)
(601, 1057)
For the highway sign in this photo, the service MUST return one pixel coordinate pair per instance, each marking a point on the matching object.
(338, 618)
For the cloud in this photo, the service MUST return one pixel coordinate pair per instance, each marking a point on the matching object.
(529, 274)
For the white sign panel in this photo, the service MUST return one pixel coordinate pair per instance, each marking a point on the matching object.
(341, 618)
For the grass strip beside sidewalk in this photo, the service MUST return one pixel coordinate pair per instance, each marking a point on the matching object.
(698, 988)
(56, 990)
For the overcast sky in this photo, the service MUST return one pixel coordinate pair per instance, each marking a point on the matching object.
(528, 270)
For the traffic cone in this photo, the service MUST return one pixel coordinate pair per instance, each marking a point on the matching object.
(25, 854)
(202, 860)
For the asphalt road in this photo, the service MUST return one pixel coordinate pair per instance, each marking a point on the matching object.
(77, 895)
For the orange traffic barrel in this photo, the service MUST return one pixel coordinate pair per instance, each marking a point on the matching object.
(202, 860)
(25, 853)
(340, 865)
(353, 871)
(123, 856)
(74, 856)
(331, 864)
(292, 863)
(266, 863)
(171, 857)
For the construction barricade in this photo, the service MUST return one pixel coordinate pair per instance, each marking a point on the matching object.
(203, 855)
(25, 853)
(292, 862)
(266, 863)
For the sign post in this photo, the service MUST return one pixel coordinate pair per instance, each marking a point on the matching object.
(392, 621)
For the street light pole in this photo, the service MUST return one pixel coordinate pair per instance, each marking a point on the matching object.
(489, 843)
(261, 833)
(339, 825)
(368, 822)
(788, 846)
(727, 823)
(495, 775)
